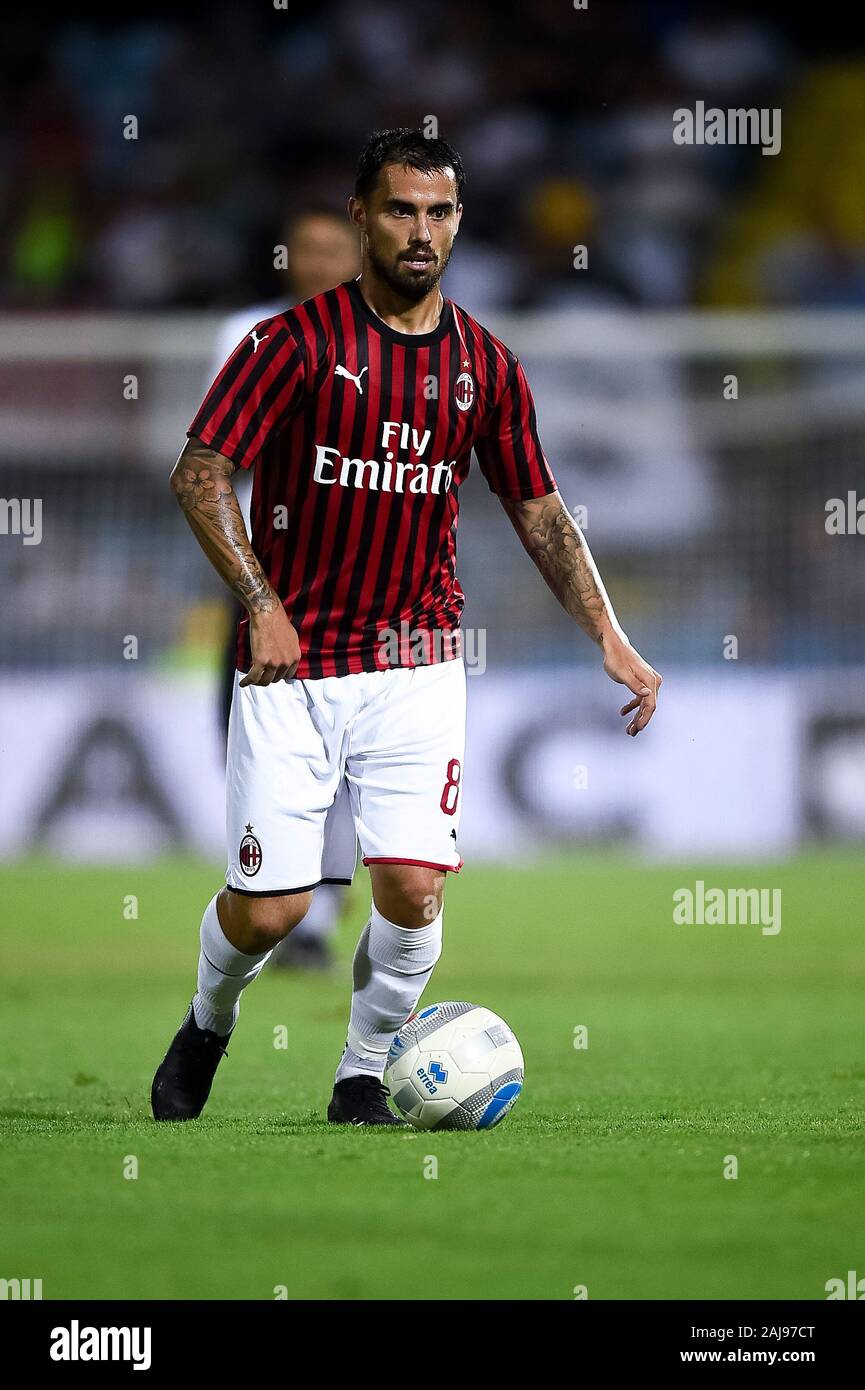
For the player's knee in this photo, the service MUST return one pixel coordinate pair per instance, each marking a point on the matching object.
(408, 895)
(261, 923)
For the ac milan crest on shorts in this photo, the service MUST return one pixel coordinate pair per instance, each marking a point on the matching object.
(249, 854)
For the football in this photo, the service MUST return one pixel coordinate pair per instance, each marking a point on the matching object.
(454, 1066)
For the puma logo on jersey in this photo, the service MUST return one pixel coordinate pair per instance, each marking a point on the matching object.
(256, 341)
(339, 370)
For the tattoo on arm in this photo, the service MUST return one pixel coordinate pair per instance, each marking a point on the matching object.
(559, 550)
(201, 481)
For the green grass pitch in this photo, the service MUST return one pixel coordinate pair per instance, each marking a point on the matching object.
(703, 1042)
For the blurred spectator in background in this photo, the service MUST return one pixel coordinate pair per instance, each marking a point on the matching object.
(799, 237)
(239, 109)
(319, 249)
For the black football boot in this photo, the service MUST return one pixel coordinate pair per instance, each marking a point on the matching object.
(361, 1100)
(182, 1083)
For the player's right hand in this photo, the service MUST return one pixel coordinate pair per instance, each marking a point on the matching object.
(275, 648)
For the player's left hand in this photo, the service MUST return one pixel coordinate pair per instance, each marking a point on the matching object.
(625, 666)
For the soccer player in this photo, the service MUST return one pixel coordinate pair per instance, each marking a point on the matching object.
(321, 250)
(362, 408)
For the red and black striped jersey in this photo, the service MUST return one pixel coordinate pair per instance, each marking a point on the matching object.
(362, 436)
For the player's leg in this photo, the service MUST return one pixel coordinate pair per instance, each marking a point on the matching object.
(392, 965)
(393, 962)
(238, 934)
(237, 937)
(404, 772)
(284, 769)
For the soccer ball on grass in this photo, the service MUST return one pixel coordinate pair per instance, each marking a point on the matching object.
(454, 1066)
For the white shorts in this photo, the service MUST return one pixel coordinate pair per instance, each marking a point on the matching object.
(314, 766)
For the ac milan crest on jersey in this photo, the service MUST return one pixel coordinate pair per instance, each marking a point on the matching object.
(250, 855)
(362, 437)
(464, 391)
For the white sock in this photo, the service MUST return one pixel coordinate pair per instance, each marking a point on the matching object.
(223, 973)
(391, 968)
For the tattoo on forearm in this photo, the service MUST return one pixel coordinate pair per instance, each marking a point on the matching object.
(557, 547)
(202, 483)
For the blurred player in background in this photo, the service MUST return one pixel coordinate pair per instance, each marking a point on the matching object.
(322, 250)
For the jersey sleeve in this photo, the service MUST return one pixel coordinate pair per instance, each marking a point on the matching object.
(509, 449)
(256, 392)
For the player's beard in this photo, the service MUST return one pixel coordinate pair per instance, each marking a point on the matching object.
(405, 282)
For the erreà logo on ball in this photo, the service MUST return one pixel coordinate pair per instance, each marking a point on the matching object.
(388, 474)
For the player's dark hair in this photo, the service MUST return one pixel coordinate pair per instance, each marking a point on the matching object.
(413, 150)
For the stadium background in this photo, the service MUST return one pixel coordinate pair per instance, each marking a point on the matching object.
(119, 261)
